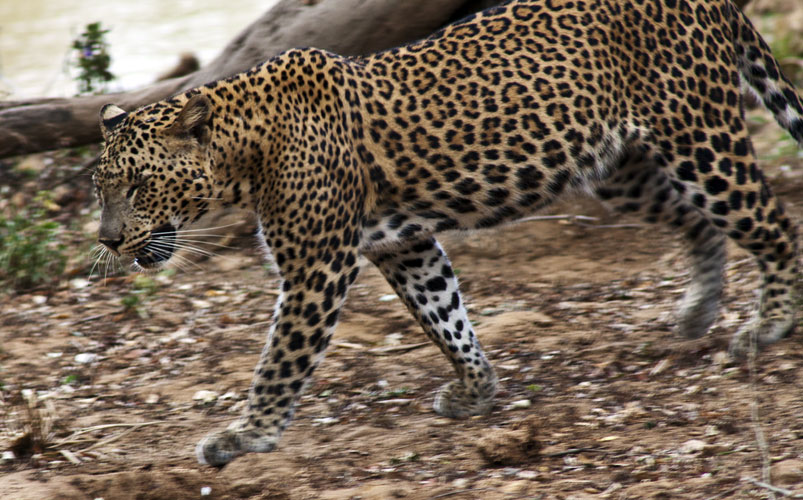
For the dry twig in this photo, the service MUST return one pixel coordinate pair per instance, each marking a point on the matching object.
(573, 451)
(71, 438)
(394, 349)
(774, 489)
(755, 418)
(104, 442)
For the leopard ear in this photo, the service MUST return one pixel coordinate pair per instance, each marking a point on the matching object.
(193, 120)
(111, 117)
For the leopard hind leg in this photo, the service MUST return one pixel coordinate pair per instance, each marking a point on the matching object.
(641, 187)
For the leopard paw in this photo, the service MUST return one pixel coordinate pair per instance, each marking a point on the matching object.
(220, 448)
(455, 400)
(767, 332)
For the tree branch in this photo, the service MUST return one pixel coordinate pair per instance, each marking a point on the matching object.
(347, 27)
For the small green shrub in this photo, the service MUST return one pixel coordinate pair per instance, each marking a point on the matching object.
(31, 253)
(144, 287)
(92, 59)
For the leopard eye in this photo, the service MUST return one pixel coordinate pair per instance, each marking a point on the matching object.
(132, 191)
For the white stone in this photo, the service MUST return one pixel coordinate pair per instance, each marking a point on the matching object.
(79, 283)
(85, 358)
(693, 446)
(229, 395)
(205, 396)
(325, 420)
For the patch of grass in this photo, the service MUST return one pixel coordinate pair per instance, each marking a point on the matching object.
(31, 251)
(36, 425)
(785, 147)
(143, 288)
(395, 393)
(410, 457)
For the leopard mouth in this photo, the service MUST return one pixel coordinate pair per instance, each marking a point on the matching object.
(159, 249)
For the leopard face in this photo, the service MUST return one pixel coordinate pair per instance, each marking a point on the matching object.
(152, 179)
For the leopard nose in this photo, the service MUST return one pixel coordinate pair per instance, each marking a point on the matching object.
(111, 243)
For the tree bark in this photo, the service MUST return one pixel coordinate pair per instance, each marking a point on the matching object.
(347, 27)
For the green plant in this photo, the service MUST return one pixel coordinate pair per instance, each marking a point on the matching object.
(143, 288)
(92, 59)
(31, 250)
(395, 393)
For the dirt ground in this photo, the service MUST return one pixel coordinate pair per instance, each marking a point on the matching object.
(102, 380)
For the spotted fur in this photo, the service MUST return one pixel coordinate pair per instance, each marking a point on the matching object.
(484, 122)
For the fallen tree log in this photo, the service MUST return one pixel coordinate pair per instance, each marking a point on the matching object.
(348, 27)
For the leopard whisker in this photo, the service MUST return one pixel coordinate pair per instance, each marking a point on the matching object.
(97, 250)
(107, 263)
(97, 254)
(181, 245)
(165, 251)
(207, 229)
(211, 243)
(179, 261)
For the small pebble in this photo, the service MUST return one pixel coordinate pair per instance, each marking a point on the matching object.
(325, 420)
(693, 446)
(206, 491)
(79, 283)
(521, 404)
(86, 357)
(205, 396)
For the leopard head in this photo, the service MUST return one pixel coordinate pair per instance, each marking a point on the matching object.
(153, 176)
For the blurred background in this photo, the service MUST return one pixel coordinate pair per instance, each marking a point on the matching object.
(146, 37)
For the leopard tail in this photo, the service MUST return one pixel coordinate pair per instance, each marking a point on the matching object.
(762, 72)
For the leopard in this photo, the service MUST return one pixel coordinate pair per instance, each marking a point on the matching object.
(347, 160)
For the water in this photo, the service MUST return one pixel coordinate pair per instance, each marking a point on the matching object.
(145, 40)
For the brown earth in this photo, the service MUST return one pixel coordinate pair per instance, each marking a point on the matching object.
(599, 399)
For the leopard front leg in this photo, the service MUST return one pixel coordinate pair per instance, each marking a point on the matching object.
(304, 319)
(422, 276)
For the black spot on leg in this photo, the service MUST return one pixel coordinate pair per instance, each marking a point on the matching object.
(296, 341)
(436, 284)
(302, 362)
